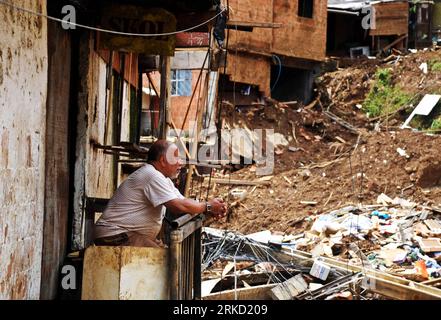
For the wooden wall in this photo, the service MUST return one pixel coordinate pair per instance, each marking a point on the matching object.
(57, 159)
(130, 65)
(23, 93)
(94, 170)
(390, 19)
(287, 40)
(300, 37)
(251, 11)
(249, 59)
(250, 69)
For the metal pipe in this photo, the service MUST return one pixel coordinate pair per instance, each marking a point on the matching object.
(356, 13)
(179, 222)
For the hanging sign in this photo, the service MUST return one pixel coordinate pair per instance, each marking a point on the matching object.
(138, 20)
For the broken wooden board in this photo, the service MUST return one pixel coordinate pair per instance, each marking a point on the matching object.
(253, 293)
(290, 288)
(421, 229)
(430, 245)
(309, 203)
(239, 182)
(434, 226)
(208, 285)
(379, 282)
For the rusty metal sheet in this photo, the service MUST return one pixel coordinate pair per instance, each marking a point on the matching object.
(101, 272)
(144, 274)
(125, 273)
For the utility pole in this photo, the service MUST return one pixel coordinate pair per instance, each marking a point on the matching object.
(164, 106)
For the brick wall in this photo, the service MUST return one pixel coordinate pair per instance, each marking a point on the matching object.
(179, 104)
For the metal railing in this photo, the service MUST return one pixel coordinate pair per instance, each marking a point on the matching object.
(185, 258)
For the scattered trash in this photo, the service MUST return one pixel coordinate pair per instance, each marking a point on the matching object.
(290, 288)
(380, 215)
(295, 149)
(391, 236)
(430, 245)
(238, 194)
(424, 108)
(403, 153)
(424, 67)
(320, 270)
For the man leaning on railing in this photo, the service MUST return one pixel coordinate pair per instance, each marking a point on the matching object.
(134, 215)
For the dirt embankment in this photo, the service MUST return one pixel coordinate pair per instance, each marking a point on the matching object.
(332, 166)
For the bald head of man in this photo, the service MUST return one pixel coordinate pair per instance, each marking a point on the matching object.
(164, 156)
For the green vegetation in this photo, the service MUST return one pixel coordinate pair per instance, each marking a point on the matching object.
(384, 97)
(436, 124)
(435, 65)
(430, 123)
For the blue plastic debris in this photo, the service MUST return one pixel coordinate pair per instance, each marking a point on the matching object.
(380, 215)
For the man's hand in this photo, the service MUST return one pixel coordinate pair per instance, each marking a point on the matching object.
(218, 208)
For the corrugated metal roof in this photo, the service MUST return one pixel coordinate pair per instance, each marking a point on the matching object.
(354, 5)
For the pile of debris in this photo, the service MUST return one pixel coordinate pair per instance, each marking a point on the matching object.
(395, 236)
(335, 258)
(401, 164)
(344, 89)
(245, 267)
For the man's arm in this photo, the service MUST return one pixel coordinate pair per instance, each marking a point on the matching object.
(185, 205)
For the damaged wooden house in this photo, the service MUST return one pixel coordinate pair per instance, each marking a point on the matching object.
(267, 55)
(73, 110)
(366, 28)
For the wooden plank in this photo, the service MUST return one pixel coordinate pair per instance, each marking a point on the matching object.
(399, 39)
(430, 245)
(240, 182)
(290, 288)
(433, 225)
(251, 24)
(56, 198)
(164, 108)
(311, 31)
(432, 282)
(253, 293)
(199, 112)
(390, 19)
(382, 283)
(242, 68)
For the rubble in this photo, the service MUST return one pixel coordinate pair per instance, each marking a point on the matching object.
(393, 239)
(234, 263)
(351, 189)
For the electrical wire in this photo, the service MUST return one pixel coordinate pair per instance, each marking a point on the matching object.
(69, 23)
(280, 72)
(260, 253)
